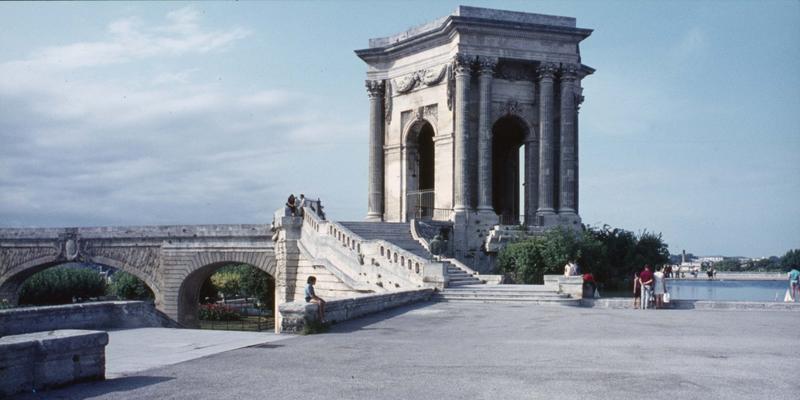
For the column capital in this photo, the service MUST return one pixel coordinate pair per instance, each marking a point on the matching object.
(547, 70)
(462, 64)
(375, 88)
(569, 72)
(486, 65)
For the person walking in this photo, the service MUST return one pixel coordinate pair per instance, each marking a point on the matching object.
(794, 283)
(647, 286)
(637, 291)
(659, 287)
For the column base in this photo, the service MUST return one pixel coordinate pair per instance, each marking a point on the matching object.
(374, 217)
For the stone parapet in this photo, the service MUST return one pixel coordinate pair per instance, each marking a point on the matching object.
(100, 315)
(41, 360)
(296, 315)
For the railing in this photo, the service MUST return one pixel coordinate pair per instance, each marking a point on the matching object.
(419, 204)
(238, 316)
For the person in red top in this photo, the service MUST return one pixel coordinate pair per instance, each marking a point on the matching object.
(646, 277)
(589, 285)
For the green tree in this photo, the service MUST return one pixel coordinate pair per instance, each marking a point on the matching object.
(791, 260)
(128, 287)
(610, 254)
(59, 285)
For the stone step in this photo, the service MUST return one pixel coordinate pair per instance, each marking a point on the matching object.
(462, 283)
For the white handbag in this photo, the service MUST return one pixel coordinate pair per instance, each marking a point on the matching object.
(666, 297)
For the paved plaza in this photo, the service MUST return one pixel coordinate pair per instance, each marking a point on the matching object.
(490, 351)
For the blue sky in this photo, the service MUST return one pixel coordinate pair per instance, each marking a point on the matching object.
(164, 113)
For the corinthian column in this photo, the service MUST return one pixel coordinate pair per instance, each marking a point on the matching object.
(375, 91)
(486, 66)
(568, 167)
(461, 188)
(546, 151)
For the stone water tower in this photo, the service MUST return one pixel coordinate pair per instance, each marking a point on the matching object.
(474, 120)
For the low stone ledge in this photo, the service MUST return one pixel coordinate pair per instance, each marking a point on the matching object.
(621, 303)
(571, 285)
(41, 360)
(102, 315)
(296, 315)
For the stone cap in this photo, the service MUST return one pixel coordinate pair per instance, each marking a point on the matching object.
(477, 13)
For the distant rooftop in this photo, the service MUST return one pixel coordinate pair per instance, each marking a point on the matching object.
(480, 13)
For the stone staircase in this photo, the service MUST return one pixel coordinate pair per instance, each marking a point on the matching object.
(399, 234)
(459, 277)
(519, 294)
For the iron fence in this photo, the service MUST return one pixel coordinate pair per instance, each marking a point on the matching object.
(238, 316)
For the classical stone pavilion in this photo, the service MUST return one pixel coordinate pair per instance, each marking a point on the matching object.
(474, 120)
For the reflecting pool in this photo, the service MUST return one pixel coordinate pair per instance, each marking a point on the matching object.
(703, 289)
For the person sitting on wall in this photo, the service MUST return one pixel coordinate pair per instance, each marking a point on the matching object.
(291, 207)
(311, 297)
(301, 204)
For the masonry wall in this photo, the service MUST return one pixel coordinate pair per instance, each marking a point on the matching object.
(98, 316)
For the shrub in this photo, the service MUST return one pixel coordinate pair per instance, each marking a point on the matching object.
(60, 285)
(128, 287)
(218, 312)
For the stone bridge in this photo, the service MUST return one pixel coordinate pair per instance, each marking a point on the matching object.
(173, 261)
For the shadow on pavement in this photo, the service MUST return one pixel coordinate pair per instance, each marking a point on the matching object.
(361, 323)
(88, 390)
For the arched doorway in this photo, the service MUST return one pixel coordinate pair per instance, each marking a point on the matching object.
(508, 138)
(420, 174)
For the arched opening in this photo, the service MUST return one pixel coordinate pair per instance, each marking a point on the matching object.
(55, 283)
(508, 140)
(227, 296)
(421, 173)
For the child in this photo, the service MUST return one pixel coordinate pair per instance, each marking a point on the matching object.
(311, 297)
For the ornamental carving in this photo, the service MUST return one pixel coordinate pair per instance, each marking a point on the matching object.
(387, 103)
(547, 70)
(511, 71)
(451, 87)
(426, 77)
(487, 65)
(511, 107)
(374, 88)
(462, 64)
(569, 72)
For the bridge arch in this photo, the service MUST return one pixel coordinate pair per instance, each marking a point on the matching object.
(12, 280)
(201, 266)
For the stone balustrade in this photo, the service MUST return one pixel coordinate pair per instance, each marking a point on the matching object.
(411, 269)
(296, 315)
(41, 360)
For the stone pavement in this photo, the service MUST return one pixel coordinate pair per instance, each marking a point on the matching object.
(134, 350)
(496, 351)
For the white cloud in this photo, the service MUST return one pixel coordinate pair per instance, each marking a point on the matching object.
(129, 39)
(147, 147)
